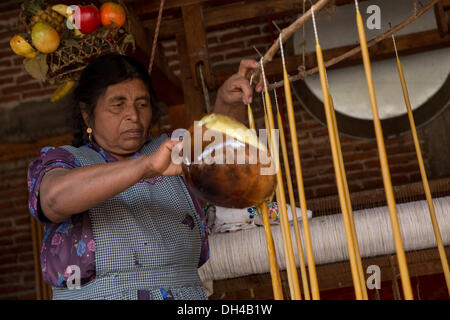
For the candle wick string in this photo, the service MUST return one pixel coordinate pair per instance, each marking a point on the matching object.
(395, 46)
(263, 73)
(283, 61)
(276, 99)
(393, 40)
(313, 17)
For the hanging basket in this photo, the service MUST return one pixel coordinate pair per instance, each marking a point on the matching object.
(66, 63)
(75, 51)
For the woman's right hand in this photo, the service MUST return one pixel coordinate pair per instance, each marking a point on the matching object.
(160, 163)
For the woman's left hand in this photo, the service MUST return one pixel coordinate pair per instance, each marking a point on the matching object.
(236, 90)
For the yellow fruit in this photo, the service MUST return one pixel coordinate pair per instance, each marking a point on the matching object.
(62, 90)
(62, 9)
(21, 47)
(45, 38)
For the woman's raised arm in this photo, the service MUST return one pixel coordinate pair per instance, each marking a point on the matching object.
(65, 192)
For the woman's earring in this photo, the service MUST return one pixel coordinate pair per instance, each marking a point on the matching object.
(89, 132)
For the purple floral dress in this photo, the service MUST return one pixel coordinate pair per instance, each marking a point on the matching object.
(72, 242)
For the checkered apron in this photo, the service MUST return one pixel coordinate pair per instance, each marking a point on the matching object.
(141, 242)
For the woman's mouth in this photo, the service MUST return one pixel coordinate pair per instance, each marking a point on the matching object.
(132, 133)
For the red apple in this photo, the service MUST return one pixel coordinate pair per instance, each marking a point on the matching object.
(87, 18)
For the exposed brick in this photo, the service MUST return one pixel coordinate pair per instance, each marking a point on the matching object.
(23, 239)
(21, 88)
(25, 257)
(212, 40)
(399, 180)
(226, 47)
(216, 58)
(23, 221)
(31, 295)
(4, 224)
(6, 81)
(414, 177)
(6, 205)
(373, 184)
(38, 93)
(24, 78)
(319, 133)
(9, 10)
(5, 45)
(6, 241)
(8, 280)
(10, 72)
(15, 289)
(309, 125)
(367, 145)
(239, 34)
(5, 54)
(353, 167)
(372, 164)
(361, 175)
(9, 99)
(14, 213)
(360, 156)
(259, 40)
(5, 63)
(18, 61)
(404, 169)
(325, 191)
(403, 159)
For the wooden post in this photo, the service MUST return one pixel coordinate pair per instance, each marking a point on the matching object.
(193, 97)
(442, 20)
(196, 46)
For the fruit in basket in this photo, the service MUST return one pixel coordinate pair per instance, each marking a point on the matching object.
(62, 90)
(40, 11)
(87, 18)
(21, 47)
(67, 12)
(214, 172)
(45, 38)
(113, 15)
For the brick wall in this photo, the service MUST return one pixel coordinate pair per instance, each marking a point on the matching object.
(226, 47)
(16, 255)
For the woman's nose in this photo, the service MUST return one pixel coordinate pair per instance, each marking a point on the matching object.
(132, 113)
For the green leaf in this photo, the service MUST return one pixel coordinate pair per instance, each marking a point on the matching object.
(129, 39)
(71, 43)
(37, 67)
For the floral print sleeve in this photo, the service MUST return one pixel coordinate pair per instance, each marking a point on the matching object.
(49, 159)
(64, 244)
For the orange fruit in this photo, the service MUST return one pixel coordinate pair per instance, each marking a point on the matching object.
(112, 15)
(45, 38)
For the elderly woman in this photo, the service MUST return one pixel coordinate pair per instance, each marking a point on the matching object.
(117, 213)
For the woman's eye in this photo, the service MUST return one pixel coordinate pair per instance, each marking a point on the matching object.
(116, 108)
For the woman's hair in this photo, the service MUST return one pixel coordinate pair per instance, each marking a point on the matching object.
(102, 72)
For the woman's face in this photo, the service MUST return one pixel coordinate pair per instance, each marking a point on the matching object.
(122, 118)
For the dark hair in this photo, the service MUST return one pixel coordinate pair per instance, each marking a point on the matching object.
(102, 72)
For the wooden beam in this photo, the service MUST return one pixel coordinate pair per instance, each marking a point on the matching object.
(148, 7)
(442, 19)
(241, 11)
(406, 44)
